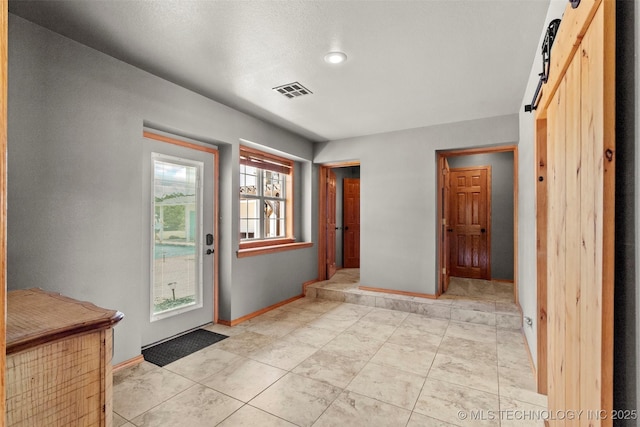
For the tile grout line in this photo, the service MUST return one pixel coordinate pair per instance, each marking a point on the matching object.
(345, 389)
(347, 385)
(427, 376)
(289, 371)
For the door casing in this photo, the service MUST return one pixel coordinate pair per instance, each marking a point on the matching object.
(322, 214)
(441, 259)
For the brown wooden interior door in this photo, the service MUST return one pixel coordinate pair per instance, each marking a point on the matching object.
(468, 227)
(331, 223)
(351, 223)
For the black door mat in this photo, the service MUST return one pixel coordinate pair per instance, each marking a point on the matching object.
(169, 351)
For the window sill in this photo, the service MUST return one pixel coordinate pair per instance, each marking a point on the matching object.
(263, 250)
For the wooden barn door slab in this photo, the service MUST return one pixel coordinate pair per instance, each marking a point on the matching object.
(469, 222)
(575, 131)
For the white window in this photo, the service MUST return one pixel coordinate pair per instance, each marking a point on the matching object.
(266, 202)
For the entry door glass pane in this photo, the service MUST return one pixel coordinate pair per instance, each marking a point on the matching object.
(177, 260)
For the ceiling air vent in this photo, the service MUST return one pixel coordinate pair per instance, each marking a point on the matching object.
(292, 90)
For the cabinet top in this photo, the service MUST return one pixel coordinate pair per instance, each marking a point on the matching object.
(36, 317)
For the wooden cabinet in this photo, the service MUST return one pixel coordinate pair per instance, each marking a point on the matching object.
(58, 370)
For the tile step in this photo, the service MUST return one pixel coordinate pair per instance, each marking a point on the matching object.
(501, 315)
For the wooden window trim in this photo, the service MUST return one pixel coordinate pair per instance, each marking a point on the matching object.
(265, 161)
(243, 253)
(259, 246)
(267, 242)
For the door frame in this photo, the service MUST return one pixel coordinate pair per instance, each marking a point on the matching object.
(445, 154)
(322, 218)
(216, 182)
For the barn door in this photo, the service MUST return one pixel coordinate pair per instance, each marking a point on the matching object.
(577, 111)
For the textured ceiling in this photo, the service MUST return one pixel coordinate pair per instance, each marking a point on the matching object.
(410, 63)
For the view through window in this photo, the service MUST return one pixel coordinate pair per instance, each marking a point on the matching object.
(177, 211)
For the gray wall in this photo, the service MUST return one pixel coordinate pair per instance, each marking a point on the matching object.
(341, 174)
(527, 255)
(75, 181)
(398, 195)
(501, 207)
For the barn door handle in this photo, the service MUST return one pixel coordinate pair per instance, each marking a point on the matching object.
(450, 230)
(482, 230)
(346, 228)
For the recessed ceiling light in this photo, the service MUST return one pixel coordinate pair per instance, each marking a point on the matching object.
(335, 57)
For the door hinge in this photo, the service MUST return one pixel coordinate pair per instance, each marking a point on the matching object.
(444, 221)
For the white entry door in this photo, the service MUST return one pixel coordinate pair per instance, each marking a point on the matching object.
(179, 243)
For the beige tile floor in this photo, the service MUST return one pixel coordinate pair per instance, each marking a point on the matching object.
(316, 362)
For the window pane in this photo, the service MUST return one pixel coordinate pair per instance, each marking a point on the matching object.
(248, 180)
(249, 219)
(274, 223)
(176, 214)
(273, 184)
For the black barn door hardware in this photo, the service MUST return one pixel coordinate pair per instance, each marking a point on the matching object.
(552, 30)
